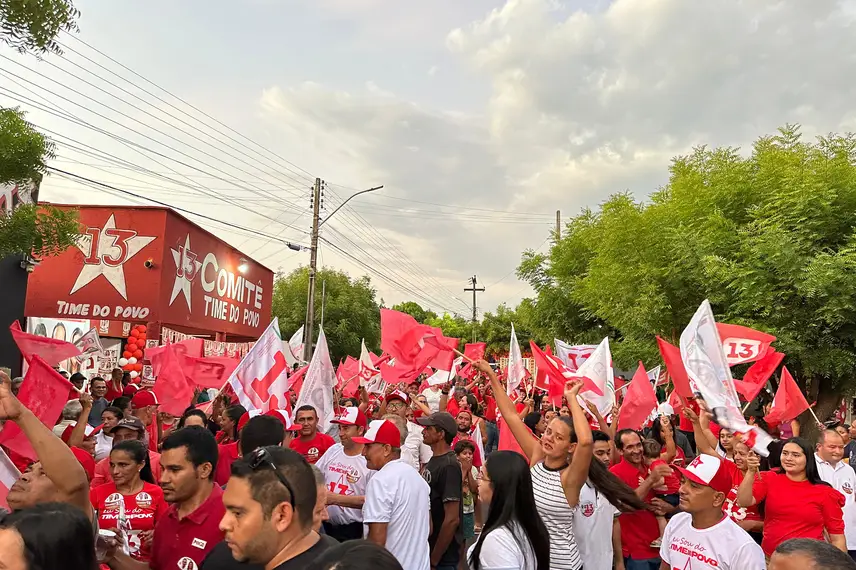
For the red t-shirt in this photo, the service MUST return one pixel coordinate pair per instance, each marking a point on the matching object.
(143, 510)
(671, 483)
(796, 509)
(228, 453)
(113, 393)
(490, 410)
(102, 470)
(730, 507)
(314, 448)
(639, 528)
(191, 538)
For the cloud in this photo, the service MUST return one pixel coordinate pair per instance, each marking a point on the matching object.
(581, 105)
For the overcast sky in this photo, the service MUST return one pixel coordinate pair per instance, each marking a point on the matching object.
(481, 118)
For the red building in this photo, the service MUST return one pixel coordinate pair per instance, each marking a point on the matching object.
(149, 265)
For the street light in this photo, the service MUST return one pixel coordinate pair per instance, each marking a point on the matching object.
(317, 222)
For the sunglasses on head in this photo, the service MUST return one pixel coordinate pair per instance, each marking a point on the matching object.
(261, 459)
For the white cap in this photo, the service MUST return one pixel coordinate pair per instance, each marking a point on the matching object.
(665, 409)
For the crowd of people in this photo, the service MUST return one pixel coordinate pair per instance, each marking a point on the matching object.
(414, 479)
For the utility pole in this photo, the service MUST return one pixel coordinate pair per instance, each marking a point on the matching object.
(474, 289)
(323, 300)
(308, 325)
(558, 225)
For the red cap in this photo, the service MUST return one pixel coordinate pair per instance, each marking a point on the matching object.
(351, 417)
(397, 395)
(88, 431)
(244, 419)
(283, 416)
(144, 398)
(381, 431)
(130, 390)
(86, 460)
(709, 471)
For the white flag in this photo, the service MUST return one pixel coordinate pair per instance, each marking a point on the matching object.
(89, 345)
(653, 374)
(261, 379)
(573, 356)
(516, 369)
(296, 344)
(9, 474)
(598, 369)
(367, 368)
(318, 384)
(710, 375)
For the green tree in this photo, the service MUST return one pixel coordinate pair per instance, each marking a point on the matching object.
(769, 238)
(32, 25)
(351, 312)
(416, 311)
(453, 326)
(29, 229)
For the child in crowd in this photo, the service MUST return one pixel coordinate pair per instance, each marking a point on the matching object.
(668, 490)
(465, 451)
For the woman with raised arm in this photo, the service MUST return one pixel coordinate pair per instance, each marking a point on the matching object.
(560, 466)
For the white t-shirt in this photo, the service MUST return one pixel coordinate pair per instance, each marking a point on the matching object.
(414, 452)
(501, 551)
(399, 496)
(103, 445)
(724, 546)
(842, 477)
(593, 520)
(432, 398)
(345, 475)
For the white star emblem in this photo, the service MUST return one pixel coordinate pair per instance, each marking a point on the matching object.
(106, 250)
(186, 268)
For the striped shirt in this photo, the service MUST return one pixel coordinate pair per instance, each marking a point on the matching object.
(558, 517)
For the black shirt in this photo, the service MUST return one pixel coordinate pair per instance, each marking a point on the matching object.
(220, 557)
(443, 474)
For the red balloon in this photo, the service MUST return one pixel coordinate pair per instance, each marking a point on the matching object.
(128, 367)
(135, 333)
(127, 354)
(131, 347)
(142, 337)
(138, 367)
(141, 328)
(138, 354)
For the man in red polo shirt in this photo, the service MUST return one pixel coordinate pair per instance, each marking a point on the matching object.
(311, 444)
(639, 528)
(191, 527)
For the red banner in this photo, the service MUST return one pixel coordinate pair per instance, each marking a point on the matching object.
(146, 264)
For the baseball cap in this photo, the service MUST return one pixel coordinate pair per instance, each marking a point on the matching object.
(397, 395)
(381, 431)
(665, 409)
(351, 417)
(144, 398)
(86, 460)
(130, 423)
(130, 390)
(88, 431)
(709, 471)
(442, 420)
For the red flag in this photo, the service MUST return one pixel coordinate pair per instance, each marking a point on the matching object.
(173, 389)
(758, 374)
(295, 384)
(639, 401)
(676, 402)
(446, 355)
(619, 384)
(403, 337)
(506, 438)
(192, 347)
(788, 403)
(672, 357)
(347, 370)
(44, 392)
(742, 344)
(541, 380)
(207, 372)
(50, 350)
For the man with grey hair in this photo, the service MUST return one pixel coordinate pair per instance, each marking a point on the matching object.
(70, 414)
(808, 554)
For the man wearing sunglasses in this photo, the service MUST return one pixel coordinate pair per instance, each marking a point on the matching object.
(270, 502)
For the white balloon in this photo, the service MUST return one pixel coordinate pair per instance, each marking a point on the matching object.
(134, 374)
(132, 360)
(123, 361)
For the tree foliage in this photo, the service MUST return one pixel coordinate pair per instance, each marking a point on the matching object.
(351, 311)
(769, 238)
(29, 229)
(416, 311)
(32, 25)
